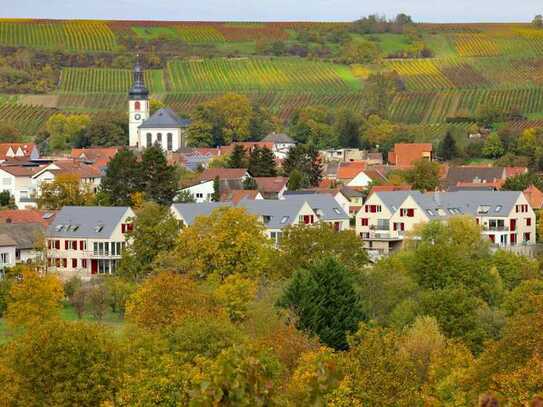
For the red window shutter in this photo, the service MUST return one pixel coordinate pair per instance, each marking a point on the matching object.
(64, 263)
(57, 244)
(65, 245)
(130, 227)
(528, 221)
(84, 263)
(402, 226)
(48, 244)
(365, 221)
(395, 227)
(57, 262)
(74, 245)
(74, 263)
(123, 228)
(513, 238)
(366, 208)
(513, 225)
(410, 213)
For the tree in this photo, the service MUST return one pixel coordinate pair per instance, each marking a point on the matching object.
(424, 176)
(360, 52)
(64, 128)
(216, 197)
(62, 364)
(7, 201)
(107, 129)
(347, 128)
(118, 292)
(9, 134)
(78, 300)
(97, 300)
(238, 158)
(522, 182)
(295, 180)
(122, 179)
(159, 179)
(447, 147)
(64, 190)
(167, 299)
(249, 183)
(380, 90)
(313, 125)
(262, 163)
(538, 21)
(33, 300)
(153, 223)
(235, 293)
(324, 299)
(301, 246)
(229, 241)
(493, 147)
(307, 161)
(378, 131)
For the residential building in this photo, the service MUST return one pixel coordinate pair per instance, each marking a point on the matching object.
(26, 216)
(534, 197)
(100, 156)
(89, 174)
(237, 195)
(229, 179)
(281, 144)
(7, 252)
(506, 217)
(28, 238)
(344, 155)
(327, 208)
(164, 127)
(271, 187)
(18, 180)
(87, 241)
(405, 154)
(477, 177)
(353, 174)
(349, 199)
(18, 151)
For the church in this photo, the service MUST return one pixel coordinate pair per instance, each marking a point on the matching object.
(163, 127)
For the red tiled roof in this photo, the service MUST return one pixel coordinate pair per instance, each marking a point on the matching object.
(78, 168)
(223, 173)
(390, 188)
(100, 155)
(16, 216)
(25, 147)
(405, 154)
(271, 184)
(237, 195)
(534, 196)
(21, 171)
(349, 170)
(513, 171)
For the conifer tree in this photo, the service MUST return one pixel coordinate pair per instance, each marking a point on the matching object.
(238, 158)
(262, 163)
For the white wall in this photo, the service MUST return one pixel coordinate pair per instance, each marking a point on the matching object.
(178, 138)
(8, 251)
(201, 192)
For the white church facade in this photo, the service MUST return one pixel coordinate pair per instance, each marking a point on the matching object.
(163, 127)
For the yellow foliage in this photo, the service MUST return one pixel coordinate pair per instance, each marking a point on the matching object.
(360, 71)
(34, 299)
(235, 293)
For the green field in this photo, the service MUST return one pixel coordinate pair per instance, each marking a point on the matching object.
(261, 74)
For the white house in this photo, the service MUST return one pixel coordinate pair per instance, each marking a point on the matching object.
(28, 238)
(506, 217)
(281, 144)
(7, 252)
(89, 174)
(164, 127)
(87, 241)
(18, 181)
(229, 179)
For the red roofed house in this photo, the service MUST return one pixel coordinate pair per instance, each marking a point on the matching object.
(237, 195)
(229, 179)
(272, 187)
(18, 150)
(18, 181)
(26, 216)
(534, 197)
(89, 174)
(404, 155)
(353, 174)
(98, 155)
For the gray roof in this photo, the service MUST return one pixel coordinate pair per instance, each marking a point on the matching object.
(324, 205)
(25, 235)
(280, 138)
(277, 214)
(189, 211)
(445, 204)
(164, 119)
(351, 192)
(86, 221)
(6, 241)
(479, 175)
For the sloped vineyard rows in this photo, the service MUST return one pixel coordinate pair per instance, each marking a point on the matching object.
(96, 80)
(28, 119)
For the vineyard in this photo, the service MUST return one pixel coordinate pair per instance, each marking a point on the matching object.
(261, 74)
(96, 80)
(28, 119)
(71, 36)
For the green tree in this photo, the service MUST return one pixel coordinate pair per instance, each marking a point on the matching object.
(153, 223)
(64, 190)
(447, 147)
(107, 129)
(160, 181)
(380, 90)
(347, 127)
(324, 298)
(64, 128)
(262, 163)
(360, 52)
(301, 246)
(123, 178)
(307, 161)
(538, 21)
(216, 189)
(493, 147)
(238, 158)
(424, 176)
(295, 180)
(249, 183)
(62, 364)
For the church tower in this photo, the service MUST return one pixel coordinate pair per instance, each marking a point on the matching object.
(138, 104)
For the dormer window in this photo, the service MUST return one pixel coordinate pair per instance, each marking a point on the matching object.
(98, 228)
(284, 220)
(483, 209)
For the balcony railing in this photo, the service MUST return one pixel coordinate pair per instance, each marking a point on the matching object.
(496, 228)
(89, 254)
(397, 235)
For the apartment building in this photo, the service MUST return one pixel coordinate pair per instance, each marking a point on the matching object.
(87, 241)
(506, 217)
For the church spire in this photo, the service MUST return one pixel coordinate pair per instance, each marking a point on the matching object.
(138, 90)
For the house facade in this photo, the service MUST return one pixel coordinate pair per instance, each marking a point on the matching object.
(87, 241)
(18, 150)
(405, 154)
(506, 217)
(28, 238)
(7, 252)
(229, 179)
(19, 182)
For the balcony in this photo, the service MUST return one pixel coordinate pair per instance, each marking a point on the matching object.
(384, 235)
(496, 229)
(83, 254)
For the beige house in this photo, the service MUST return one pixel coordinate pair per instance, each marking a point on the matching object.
(87, 241)
(506, 217)
(18, 181)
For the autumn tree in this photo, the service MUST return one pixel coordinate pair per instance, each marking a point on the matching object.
(324, 298)
(380, 90)
(424, 176)
(153, 223)
(301, 246)
(359, 52)
(106, 129)
(33, 299)
(122, 179)
(62, 363)
(64, 190)
(64, 128)
(493, 147)
(228, 241)
(235, 293)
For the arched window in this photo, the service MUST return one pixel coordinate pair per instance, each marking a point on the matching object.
(149, 139)
(137, 106)
(170, 141)
(159, 139)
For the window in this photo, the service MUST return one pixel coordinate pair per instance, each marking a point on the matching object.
(65, 263)
(84, 263)
(74, 263)
(159, 139)
(74, 245)
(483, 209)
(513, 239)
(526, 237)
(57, 244)
(284, 220)
(137, 106)
(169, 138)
(98, 228)
(82, 245)
(499, 208)
(149, 139)
(199, 195)
(528, 221)
(65, 245)
(337, 211)
(95, 248)
(4, 258)
(365, 221)
(430, 212)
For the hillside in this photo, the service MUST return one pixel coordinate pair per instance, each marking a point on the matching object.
(85, 66)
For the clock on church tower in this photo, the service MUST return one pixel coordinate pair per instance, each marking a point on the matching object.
(138, 104)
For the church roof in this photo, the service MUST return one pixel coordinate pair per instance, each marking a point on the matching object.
(164, 119)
